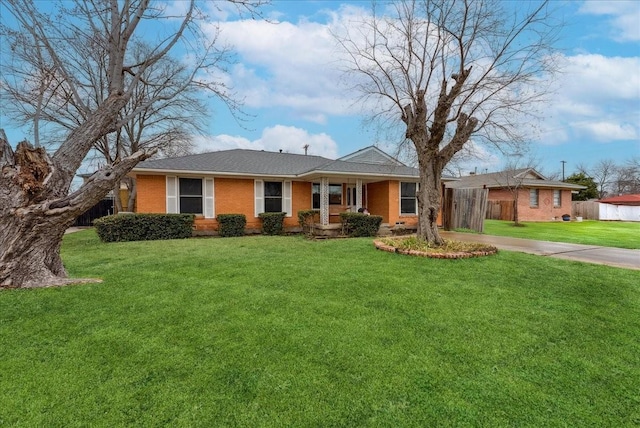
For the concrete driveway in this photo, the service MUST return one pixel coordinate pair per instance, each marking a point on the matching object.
(618, 257)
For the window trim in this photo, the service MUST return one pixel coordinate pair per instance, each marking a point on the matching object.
(559, 193)
(172, 194)
(401, 198)
(258, 196)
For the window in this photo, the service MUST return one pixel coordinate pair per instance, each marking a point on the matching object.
(408, 200)
(533, 198)
(315, 196)
(335, 195)
(557, 198)
(190, 195)
(272, 196)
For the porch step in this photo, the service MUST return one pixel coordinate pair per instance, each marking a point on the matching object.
(385, 230)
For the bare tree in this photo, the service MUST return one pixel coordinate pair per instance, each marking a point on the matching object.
(451, 70)
(36, 205)
(512, 178)
(602, 173)
(626, 180)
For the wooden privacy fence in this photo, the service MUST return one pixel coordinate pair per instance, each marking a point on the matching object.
(501, 210)
(588, 210)
(465, 209)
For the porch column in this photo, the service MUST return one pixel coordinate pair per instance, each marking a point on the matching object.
(358, 193)
(324, 201)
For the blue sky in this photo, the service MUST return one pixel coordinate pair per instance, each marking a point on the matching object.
(285, 71)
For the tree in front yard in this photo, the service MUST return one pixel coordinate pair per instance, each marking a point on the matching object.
(447, 71)
(49, 53)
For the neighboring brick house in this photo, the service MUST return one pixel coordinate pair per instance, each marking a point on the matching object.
(539, 199)
(250, 182)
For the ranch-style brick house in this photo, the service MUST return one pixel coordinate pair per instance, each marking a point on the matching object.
(251, 182)
(539, 199)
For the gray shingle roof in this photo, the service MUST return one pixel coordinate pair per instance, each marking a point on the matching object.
(239, 161)
(524, 178)
(254, 162)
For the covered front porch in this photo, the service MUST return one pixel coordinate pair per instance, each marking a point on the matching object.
(332, 196)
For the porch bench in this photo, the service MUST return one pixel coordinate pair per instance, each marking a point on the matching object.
(335, 211)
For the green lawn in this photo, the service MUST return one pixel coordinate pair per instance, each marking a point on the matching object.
(604, 233)
(287, 332)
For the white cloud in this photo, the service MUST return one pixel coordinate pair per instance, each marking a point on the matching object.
(607, 131)
(625, 17)
(597, 98)
(289, 139)
(291, 65)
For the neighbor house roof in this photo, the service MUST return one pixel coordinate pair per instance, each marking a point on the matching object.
(523, 177)
(622, 200)
(366, 163)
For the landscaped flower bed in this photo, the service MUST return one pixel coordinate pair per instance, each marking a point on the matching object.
(413, 246)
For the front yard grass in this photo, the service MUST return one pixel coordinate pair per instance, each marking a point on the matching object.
(283, 331)
(618, 234)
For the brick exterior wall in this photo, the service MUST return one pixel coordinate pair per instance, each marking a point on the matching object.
(231, 196)
(545, 211)
(384, 199)
(151, 194)
(236, 196)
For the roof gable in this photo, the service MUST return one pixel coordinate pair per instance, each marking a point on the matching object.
(371, 155)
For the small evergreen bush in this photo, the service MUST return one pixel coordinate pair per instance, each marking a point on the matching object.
(144, 227)
(231, 224)
(272, 223)
(358, 224)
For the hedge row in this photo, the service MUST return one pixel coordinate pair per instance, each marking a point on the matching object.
(144, 227)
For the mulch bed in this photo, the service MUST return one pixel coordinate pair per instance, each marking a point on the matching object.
(438, 253)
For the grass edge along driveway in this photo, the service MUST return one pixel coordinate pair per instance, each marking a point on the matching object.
(282, 331)
(618, 234)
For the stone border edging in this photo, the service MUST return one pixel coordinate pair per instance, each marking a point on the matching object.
(457, 255)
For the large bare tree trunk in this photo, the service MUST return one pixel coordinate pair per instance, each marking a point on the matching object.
(429, 202)
(35, 211)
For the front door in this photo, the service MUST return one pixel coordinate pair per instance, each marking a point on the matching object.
(352, 204)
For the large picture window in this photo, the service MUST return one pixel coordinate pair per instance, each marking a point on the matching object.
(408, 200)
(190, 195)
(273, 196)
(335, 195)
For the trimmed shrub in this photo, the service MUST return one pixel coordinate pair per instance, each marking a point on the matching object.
(307, 219)
(272, 223)
(358, 224)
(231, 224)
(144, 227)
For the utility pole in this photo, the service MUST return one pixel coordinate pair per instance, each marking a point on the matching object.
(563, 162)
